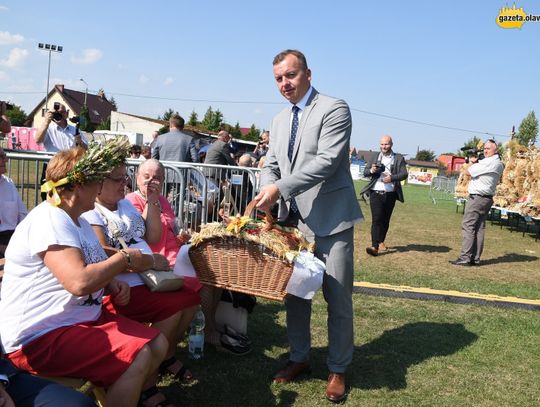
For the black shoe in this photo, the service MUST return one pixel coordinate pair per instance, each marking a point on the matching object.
(460, 263)
(475, 263)
(233, 346)
(243, 339)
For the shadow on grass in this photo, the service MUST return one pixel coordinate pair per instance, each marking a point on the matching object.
(383, 362)
(419, 248)
(227, 380)
(510, 258)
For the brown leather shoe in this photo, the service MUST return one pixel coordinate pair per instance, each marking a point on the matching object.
(291, 371)
(335, 390)
(372, 251)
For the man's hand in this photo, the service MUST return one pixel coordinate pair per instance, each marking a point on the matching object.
(120, 292)
(268, 196)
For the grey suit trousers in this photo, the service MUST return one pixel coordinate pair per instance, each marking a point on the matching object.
(337, 252)
(473, 227)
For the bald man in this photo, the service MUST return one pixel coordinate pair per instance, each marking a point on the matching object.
(386, 170)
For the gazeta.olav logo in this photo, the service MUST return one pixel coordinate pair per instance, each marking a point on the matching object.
(514, 17)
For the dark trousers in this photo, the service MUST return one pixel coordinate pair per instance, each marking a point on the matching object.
(382, 206)
(30, 391)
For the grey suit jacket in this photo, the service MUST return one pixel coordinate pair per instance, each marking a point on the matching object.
(218, 153)
(175, 146)
(319, 176)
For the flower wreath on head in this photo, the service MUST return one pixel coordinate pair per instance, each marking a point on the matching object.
(98, 162)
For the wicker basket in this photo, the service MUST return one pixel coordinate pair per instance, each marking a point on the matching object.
(239, 265)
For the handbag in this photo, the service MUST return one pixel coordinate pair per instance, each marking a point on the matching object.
(161, 281)
(233, 311)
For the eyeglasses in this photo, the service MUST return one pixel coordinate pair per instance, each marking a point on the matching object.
(119, 180)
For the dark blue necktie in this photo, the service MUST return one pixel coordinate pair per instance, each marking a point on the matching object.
(294, 129)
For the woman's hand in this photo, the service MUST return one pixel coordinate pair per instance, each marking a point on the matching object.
(5, 399)
(139, 261)
(161, 262)
(152, 190)
(120, 292)
(182, 237)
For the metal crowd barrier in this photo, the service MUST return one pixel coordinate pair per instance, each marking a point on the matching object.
(196, 191)
(442, 189)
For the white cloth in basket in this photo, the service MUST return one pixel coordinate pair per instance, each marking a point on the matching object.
(183, 266)
(307, 276)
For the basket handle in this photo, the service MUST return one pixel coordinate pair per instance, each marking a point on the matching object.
(251, 206)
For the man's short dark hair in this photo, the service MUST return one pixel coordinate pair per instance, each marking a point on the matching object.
(301, 57)
(176, 121)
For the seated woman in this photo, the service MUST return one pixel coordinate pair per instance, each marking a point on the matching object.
(55, 276)
(114, 218)
(150, 177)
(12, 208)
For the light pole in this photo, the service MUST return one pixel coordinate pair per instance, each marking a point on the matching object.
(49, 48)
(85, 91)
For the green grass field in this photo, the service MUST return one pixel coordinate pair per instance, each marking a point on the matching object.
(408, 352)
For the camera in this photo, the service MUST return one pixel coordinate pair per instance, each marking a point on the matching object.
(379, 168)
(57, 115)
(75, 119)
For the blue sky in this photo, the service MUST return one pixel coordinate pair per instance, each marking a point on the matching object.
(445, 63)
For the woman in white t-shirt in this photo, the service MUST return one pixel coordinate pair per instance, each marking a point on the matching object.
(170, 312)
(56, 273)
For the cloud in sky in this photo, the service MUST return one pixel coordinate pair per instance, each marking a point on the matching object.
(87, 57)
(3, 76)
(168, 81)
(10, 39)
(3, 8)
(144, 79)
(15, 59)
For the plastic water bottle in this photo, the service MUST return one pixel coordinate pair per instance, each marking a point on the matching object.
(196, 336)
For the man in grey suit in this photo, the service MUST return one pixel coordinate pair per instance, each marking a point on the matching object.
(307, 170)
(174, 146)
(219, 153)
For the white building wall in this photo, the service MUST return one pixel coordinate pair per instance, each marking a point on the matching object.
(126, 122)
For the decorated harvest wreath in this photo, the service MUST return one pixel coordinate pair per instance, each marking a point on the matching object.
(98, 162)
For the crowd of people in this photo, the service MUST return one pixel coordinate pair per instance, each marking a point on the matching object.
(73, 303)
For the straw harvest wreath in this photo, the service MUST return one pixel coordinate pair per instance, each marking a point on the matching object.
(98, 162)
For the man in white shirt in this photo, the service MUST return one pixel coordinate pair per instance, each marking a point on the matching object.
(386, 170)
(485, 175)
(56, 134)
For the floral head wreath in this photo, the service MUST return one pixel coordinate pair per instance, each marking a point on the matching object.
(98, 162)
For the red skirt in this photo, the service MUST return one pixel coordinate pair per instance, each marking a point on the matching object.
(147, 306)
(99, 351)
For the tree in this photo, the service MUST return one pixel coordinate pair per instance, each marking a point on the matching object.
(528, 130)
(112, 101)
(235, 131)
(472, 144)
(213, 120)
(16, 116)
(84, 120)
(105, 124)
(193, 119)
(253, 134)
(168, 114)
(425, 155)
